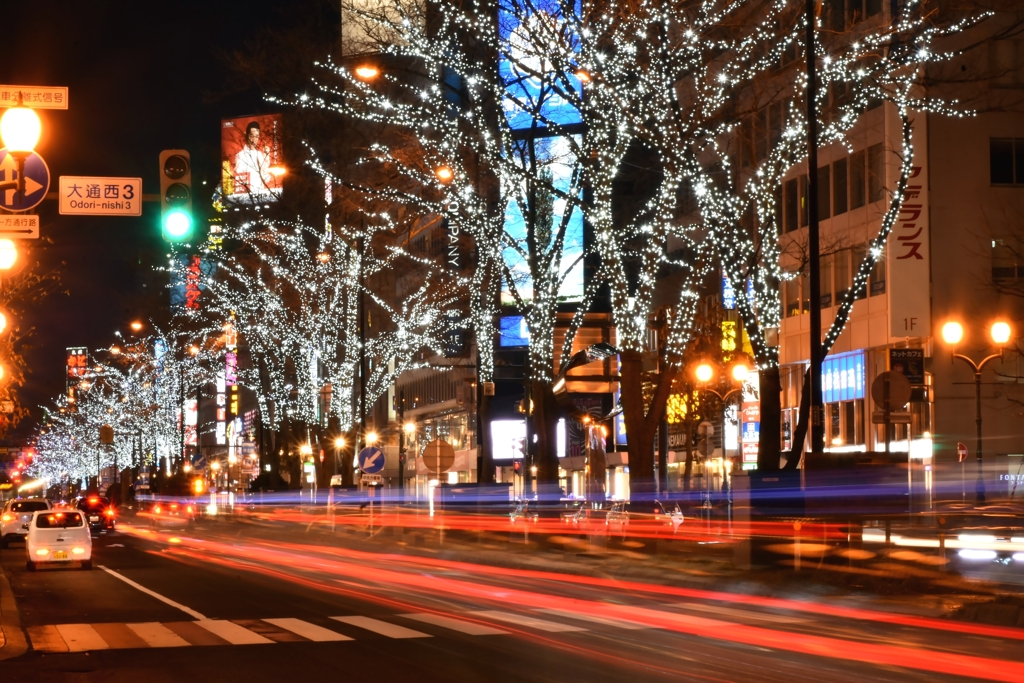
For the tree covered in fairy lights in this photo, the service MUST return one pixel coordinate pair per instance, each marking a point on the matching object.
(290, 294)
(717, 88)
(137, 387)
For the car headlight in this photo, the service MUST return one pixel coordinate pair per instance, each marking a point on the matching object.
(42, 551)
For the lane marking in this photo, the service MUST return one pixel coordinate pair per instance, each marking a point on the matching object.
(382, 627)
(157, 635)
(172, 603)
(460, 625)
(532, 622)
(607, 621)
(81, 637)
(737, 613)
(317, 634)
(232, 632)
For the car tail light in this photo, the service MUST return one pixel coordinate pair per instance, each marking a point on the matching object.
(189, 509)
(156, 509)
(78, 551)
(42, 551)
(174, 506)
(93, 501)
(7, 518)
(110, 512)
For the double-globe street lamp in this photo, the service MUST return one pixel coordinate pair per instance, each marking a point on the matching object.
(953, 334)
(705, 372)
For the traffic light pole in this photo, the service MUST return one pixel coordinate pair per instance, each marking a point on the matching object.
(401, 445)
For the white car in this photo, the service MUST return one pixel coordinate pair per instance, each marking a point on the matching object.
(16, 516)
(58, 537)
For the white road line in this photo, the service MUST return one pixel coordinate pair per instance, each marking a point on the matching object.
(81, 637)
(607, 621)
(172, 603)
(307, 630)
(460, 625)
(382, 627)
(157, 635)
(532, 622)
(737, 613)
(232, 632)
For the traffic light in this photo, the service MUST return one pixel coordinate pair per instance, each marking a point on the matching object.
(176, 195)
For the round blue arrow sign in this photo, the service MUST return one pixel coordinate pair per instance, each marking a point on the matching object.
(37, 181)
(371, 460)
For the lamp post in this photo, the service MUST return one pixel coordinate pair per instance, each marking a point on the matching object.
(19, 129)
(952, 334)
(705, 372)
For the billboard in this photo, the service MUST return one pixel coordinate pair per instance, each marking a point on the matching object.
(251, 164)
(842, 377)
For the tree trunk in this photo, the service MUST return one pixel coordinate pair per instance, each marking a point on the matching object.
(663, 455)
(346, 456)
(688, 468)
(545, 427)
(796, 450)
(769, 447)
(639, 437)
(485, 461)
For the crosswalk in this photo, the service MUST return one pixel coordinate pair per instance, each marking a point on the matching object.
(208, 632)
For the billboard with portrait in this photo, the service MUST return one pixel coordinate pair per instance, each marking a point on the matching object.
(251, 164)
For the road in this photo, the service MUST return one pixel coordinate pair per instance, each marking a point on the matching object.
(272, 602)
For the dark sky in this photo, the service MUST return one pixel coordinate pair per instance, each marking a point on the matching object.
(143, 76)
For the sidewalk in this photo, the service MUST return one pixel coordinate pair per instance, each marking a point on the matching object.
(12, 638)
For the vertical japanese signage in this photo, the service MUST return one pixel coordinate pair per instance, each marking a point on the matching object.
(907, 249)
(750, 418)
(842, 377)
(251, 164)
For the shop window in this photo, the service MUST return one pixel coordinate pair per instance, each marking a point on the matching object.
(841, 259)
(826, 281)
(876, 281)
(803, 200)
(824, 193)
(1006, 161)
(792, 290)
(858, 179)
(839, 187)
(792, 205)
(1006, 261)
(876, 173)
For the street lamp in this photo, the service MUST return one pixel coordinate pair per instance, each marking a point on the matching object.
(367, 72)
(8, 252)
(19, 129)
(371, 438)
(444, 174)
(952, 334)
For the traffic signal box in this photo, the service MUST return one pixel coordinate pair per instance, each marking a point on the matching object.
(176, 195)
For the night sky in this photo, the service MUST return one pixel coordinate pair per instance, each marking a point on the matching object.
(143, 77)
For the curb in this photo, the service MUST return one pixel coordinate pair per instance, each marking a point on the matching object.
(12, 638)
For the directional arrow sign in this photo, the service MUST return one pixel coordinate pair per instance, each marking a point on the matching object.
(19, 227)
(37, 181)
(371, 460)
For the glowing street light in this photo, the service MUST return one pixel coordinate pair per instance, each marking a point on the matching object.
(3, 322)
(339, 442)
(367, 72)
(952, 334)
(136, 326)
(740, 372)
(371, 438)
(410, 428)
(20, 129)
(704, 372)
(8, 254)
(444, 174)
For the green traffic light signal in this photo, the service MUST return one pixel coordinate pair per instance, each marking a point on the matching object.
(176, 194)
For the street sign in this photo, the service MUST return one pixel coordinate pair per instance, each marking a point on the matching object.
(371, 460)
(705, 428)
(961, 450)
(909, 362)
(37, 181)
(438, 456)
(19, 227)
(88, 196)
(372, 479)
(896, 417)
(899, 390)
(34, 96)
(106, 434)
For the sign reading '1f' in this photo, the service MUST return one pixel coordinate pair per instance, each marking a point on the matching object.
(85, 196)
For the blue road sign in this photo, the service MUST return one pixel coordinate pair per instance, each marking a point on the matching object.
(371, 460)
(37, 181)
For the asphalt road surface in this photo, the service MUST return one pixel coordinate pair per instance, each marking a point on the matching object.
(244, 602)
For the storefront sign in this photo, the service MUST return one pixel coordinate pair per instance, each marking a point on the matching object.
(909, 362)
(907, 249)
(842, 377)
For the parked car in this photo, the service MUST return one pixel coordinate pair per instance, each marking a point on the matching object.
(16, 517)
(99, 513)
(58, 537)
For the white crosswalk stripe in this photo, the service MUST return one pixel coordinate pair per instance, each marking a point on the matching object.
(529, 622)
(157, 635)
(317, 634)
(461, 625)
(81, 637)
(383, 628)
(232, 632)
(607, 621)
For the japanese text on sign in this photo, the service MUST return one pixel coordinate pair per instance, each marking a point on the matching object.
(100, 196)
(34, 96)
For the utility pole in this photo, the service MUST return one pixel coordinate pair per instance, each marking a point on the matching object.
(401, 445)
